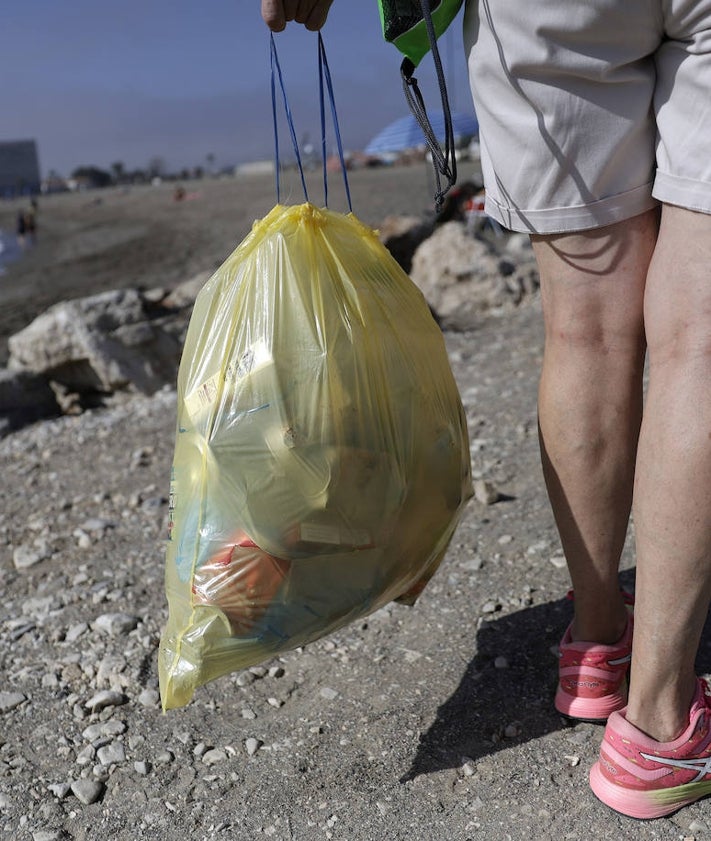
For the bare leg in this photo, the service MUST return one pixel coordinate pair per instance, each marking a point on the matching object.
(672, 508)
(590, 404)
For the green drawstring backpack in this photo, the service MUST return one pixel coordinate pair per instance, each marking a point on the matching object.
(414, 26)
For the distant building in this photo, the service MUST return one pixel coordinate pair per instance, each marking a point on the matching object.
(19, 168)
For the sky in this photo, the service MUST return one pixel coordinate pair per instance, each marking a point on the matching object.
(97, 82)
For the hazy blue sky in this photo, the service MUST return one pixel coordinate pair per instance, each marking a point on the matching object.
(99, 82)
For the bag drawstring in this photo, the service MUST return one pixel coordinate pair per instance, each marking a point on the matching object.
(324, 75)
(275, 66)
(324, 72)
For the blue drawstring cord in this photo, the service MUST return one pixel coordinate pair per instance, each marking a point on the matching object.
(324, 74)
(290, 120)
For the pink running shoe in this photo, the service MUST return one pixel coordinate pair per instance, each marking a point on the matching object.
(642, 778)
(593, 677)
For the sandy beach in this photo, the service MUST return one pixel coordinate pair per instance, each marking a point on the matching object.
(141, 237)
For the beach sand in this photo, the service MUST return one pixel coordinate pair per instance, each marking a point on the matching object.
(416, 724)
(141, 237)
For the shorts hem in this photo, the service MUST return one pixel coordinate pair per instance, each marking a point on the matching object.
(683, 192)
(559, 220)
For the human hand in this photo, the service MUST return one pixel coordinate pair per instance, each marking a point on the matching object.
(312, 13)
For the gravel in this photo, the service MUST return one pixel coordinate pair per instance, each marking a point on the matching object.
(415, 723)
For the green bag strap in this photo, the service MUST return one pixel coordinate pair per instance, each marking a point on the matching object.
(414, 26)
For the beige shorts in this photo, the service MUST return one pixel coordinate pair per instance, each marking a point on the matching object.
(590, 111)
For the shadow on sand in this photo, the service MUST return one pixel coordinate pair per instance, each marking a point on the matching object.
(473, 722)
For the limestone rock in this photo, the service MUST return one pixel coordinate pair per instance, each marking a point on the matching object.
(101, 343)
(463, 276)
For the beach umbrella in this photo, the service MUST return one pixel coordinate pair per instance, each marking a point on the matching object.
(406, 133)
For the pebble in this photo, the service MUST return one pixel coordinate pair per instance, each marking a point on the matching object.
(111, 754)
(468, 767)
(115, 624)
(48, 835)
(24, 557)
(558, 561)
(698, 826)
(141, 767)
(105, 698)
(10, 700)
(474, 565)
(252, 745)
(149, 698)
(328, 693)
(87, 791)
(486, 492)
(103, 729)
(164, 757)
(76, 631)
(60, 790)
(501, 663)
(213, 756)
(96, 524)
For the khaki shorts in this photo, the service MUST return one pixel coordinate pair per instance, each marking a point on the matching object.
(590, 111)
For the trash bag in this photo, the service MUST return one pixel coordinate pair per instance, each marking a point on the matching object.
(322, 457)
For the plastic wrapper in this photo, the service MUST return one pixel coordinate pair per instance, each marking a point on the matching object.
(321, 459)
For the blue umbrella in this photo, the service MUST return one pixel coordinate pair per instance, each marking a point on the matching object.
(406, 133)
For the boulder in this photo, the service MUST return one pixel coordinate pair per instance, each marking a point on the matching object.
(463, 276)
(106, 342)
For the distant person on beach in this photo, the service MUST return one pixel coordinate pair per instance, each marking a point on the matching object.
(595, 127)
(31, 225)
(21, 228)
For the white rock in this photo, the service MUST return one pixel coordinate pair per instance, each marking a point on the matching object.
(149, 698)
(115, 624)
(213, 756)
(485, 492)
(59, 790)
(252, 746)
(328, 693)
(111, 754)
(24, 557)
(110, 728)
(105, 698)
(76, 631)
(10, 700)
(87, 791)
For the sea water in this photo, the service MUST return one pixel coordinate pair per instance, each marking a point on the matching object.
(9, 249)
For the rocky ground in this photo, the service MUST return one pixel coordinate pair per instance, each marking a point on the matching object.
(422, 723)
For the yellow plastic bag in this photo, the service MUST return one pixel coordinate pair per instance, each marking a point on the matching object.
(322, 456)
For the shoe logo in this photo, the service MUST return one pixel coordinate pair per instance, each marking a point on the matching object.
(703, 766)
(620, 660)
(610, 767)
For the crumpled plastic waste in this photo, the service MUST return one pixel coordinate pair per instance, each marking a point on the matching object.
(322, 457)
